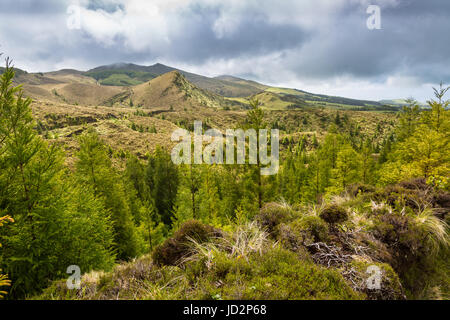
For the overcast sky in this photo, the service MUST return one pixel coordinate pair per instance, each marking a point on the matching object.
(322, 46)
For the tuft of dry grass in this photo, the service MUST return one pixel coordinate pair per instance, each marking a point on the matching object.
(247, 239)
(435, 228)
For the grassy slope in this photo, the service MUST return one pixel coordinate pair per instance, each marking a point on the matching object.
(67, 87)
(172, 91)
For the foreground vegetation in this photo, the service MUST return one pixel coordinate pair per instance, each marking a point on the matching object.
(340, 203)
(292, 252)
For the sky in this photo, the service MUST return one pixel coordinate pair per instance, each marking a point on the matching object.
(321, 46)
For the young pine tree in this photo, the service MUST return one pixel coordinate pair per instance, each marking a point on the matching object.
(347, 168)
(409, 120)
(367, 164)
(162, 179)
(94, 170)
(54, 228)
(426, 151)
(255, 120)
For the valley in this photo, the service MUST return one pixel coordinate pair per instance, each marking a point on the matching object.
(137, 115)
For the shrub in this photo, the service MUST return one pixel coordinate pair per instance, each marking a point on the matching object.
(415, 184)
(334, 214)
(294, 241)
(272, 215)
(412, 194)
(359, 188)
(416, 244)
(174, 249)
(393, 229)
(442, 201)
(305, 230)
(248, 239)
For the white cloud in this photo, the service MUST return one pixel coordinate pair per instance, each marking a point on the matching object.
(141, 25)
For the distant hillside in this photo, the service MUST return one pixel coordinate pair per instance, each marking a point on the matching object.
(400, 103)
(67, 86)
(233, 87)
(107, 85)
(243, 81)
(273, 101)
(123, 74)
(18, 71)
(137, 118)
(332, 101)
(172, 91)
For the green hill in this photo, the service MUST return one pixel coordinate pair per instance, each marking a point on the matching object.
(332, 101)
(123, 74)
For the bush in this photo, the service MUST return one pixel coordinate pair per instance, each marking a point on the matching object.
(359, 188)
(306, 230)
(334, 214)
(272, 215)
(415, 184)
(174, 249)
(414, 194)
(394, 229)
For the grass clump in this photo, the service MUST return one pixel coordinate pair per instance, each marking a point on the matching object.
(174, 249)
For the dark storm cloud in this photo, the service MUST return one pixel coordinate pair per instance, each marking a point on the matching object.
(31, 7)
(106, 5)
(255, 36)
(412, 41)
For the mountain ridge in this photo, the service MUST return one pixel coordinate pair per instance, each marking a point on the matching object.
(227, 86)
(231, 86)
